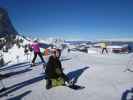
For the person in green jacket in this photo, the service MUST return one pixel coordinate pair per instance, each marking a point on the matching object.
(104, 47)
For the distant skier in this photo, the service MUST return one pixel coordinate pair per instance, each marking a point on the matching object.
(54, 69)
(104, 47)
(36, 48)
(26, 49)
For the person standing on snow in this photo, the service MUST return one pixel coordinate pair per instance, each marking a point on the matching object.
(104, 47)
(36, 48)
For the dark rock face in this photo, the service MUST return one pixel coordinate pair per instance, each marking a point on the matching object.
(7, 31)
(6, 26)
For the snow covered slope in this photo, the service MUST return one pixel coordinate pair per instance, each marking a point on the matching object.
(103, 77)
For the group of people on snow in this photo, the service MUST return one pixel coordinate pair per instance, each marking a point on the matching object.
(53, 67)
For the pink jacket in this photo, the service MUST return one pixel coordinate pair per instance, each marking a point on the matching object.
(36, 47)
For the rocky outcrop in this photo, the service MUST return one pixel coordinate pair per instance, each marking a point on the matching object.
(7, 31)
(6, 26)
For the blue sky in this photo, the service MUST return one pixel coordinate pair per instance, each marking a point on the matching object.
(72, 19)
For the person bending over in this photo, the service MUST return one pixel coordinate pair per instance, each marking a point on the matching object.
(36, 48)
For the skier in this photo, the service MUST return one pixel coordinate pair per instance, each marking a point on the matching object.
(104, 47)
(36, 48)
(26, 49)
(54, 69)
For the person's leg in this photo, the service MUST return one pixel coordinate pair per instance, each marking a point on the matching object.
(102, 50)
(40, 55)
(44, 64)
(65, 77)
(34, 58)
(106, 50)
(48, 83)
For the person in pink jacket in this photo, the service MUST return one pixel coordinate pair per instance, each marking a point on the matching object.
(36, 48)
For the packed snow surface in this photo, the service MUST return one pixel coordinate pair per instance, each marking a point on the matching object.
(102, 76)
